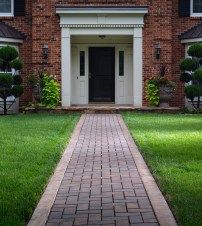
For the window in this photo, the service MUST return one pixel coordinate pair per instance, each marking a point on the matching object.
(196, 7)
(6, 7)
(121, 63)
(82, 63)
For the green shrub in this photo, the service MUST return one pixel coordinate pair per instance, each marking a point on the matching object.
(198, 75)
(191, 91)
(17, 80)
(17, 64)
(8, 53)
(17, 91)
(50, 91)
(195, 50)
(6, 79)
(188, 64)
(152, 92)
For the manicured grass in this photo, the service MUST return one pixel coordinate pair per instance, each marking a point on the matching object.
(30, 148)
(172, 148)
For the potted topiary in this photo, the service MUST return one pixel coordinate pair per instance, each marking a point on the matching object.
(192, 74)
(160, 89)
(10, 83)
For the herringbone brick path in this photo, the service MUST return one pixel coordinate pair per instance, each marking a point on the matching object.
(101, 185)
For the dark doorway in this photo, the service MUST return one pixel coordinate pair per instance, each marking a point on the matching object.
(101, 74)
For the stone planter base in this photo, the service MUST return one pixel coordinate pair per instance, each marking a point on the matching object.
(165, 95)
(14, 109)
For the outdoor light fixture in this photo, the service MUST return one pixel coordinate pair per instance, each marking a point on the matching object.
(158, 51)
(102, 36)
(45, 51)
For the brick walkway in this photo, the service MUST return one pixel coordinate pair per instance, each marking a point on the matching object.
(101, 185)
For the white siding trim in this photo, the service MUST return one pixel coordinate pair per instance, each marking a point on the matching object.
(191, 40)
(11, 40)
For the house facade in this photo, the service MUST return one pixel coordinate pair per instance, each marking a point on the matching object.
(100, 50)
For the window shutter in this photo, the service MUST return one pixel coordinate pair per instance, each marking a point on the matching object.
(19, 7)
(184, 8)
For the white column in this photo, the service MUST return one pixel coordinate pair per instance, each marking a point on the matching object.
(66, 67)
(137, 67)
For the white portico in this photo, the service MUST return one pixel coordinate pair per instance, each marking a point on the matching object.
(101, 50)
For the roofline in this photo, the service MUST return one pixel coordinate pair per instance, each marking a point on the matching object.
(188, 30)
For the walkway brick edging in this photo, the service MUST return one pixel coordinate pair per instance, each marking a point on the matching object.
(43, 208)
(159, 204)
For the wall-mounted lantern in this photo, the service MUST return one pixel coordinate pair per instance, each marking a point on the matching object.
(157, 51)
(45, 51)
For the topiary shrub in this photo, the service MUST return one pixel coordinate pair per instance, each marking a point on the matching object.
(191, 72)
(195, 50)
(10, 85)
(188, 64)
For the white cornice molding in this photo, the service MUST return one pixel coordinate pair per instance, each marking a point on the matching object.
(104, 10)
(101, 25)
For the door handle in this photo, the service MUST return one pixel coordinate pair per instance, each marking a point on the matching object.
(90, 76)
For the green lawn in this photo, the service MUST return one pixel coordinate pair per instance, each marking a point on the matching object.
(172, 148)
(30, 148)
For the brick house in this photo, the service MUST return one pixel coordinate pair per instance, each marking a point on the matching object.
(101, 50)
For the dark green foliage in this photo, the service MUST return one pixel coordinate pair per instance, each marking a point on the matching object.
(195, 50)
(6, 80)
(17, 64)
(17, 80)
(9, 84)
(7, 54)
(1, 63)
(186, 77)
(188, 64)
(191, 91)
(17, 91)
(198, 75)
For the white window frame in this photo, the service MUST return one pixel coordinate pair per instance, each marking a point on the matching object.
(192, 8)
(11, 14)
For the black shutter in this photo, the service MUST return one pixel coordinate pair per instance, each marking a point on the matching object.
(184, 8)
(19, 7)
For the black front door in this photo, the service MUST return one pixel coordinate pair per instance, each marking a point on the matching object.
(101, 74)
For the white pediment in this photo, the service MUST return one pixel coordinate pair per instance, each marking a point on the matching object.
(101, 17)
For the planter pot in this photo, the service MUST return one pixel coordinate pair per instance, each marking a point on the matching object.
(165, 95)
(14, 109)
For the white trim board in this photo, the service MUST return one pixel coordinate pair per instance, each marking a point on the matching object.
(191, 40)
(11, 40)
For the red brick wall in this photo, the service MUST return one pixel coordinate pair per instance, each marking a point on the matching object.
(162, 25)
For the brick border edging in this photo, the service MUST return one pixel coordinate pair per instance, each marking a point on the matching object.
(43, 208)
(159, 204)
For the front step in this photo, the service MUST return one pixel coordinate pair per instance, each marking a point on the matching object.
(102, 109)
